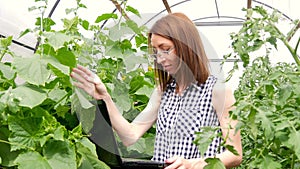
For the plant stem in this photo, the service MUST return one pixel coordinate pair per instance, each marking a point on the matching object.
(286, 43)
(293, 161)
(12, 143)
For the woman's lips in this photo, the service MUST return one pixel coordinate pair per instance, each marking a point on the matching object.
(167, 67)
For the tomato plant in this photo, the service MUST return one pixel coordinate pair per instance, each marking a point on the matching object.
(268, 94)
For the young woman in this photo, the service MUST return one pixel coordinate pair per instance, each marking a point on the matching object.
(187, 97)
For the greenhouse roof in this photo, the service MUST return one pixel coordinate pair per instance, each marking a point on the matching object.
(215, 19)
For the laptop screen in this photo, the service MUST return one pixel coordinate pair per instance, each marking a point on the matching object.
(102, 135)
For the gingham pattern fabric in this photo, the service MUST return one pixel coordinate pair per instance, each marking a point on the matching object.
(180, 116)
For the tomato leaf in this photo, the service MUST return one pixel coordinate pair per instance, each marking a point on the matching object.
(214, 163)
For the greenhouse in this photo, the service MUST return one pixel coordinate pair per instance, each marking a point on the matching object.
(92, 84)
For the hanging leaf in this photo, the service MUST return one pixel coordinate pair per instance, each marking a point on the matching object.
(106, 16)
(119, 31)
(133, 10)
(214, 163)
(66, 57)
(204, 138)
(88, 159)
(60, 154)
(32, 159)
(57, 39)
(29, 96)
(33, 69)
(7, 71)
(294, 138)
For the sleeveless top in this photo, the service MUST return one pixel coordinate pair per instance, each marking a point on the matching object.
(180, 116)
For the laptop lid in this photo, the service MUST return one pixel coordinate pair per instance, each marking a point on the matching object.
(103, 136)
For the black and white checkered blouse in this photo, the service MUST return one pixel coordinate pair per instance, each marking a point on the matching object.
(180, 116)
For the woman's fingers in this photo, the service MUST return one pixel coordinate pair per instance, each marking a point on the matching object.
(175, 162)
(85, 74)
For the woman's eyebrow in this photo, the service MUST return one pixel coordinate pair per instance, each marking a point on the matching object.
(163, 45)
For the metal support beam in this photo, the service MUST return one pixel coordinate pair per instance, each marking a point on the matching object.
(167, 6)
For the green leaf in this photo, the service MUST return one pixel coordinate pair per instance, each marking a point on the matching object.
(29, 96)
(294, 141)
(7, 157)
(57, 39)
(59, 133)
(275, 75)
(139, 146)
(133, 10)
(131, 61)
(231, 149)
(7, 71)
(123, 102)
(267, 124)
(133, 26)
(57, 94)
(85, 24)
(5, 42)
(83, 99)
(84, 109)
(87, 143)
(33, 69)
(214, 163)
(269, 163)
(106, 16)
(113, 51)
(47, 23)
(22, 33)
(70, 25)
(60, 154)
(32, 159)
(145, 90)
(118, 31)
(284, 93)
(25, 133)
(204, 138)
(122, 98)
(58, 67)
(272, 41)
(66, 57)
(88, 159)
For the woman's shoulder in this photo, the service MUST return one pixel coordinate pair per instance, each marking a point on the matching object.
(222, 95)
(221, 88)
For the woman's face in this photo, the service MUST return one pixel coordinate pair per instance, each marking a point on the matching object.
(166, 53)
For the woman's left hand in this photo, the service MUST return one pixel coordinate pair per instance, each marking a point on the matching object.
(181, 163)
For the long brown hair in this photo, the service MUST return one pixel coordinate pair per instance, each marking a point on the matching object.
(178, 28)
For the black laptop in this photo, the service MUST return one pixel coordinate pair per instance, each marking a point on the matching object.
(102, 135)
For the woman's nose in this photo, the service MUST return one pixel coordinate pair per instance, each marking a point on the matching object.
(160, 59)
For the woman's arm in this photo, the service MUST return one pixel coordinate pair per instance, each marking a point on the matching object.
(223, 100)
(128, 132)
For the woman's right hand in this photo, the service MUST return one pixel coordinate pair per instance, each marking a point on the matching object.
(89, 82)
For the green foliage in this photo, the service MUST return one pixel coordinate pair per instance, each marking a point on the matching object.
(205, 137)
(214, 163)
(267, 98)
(38, 124)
